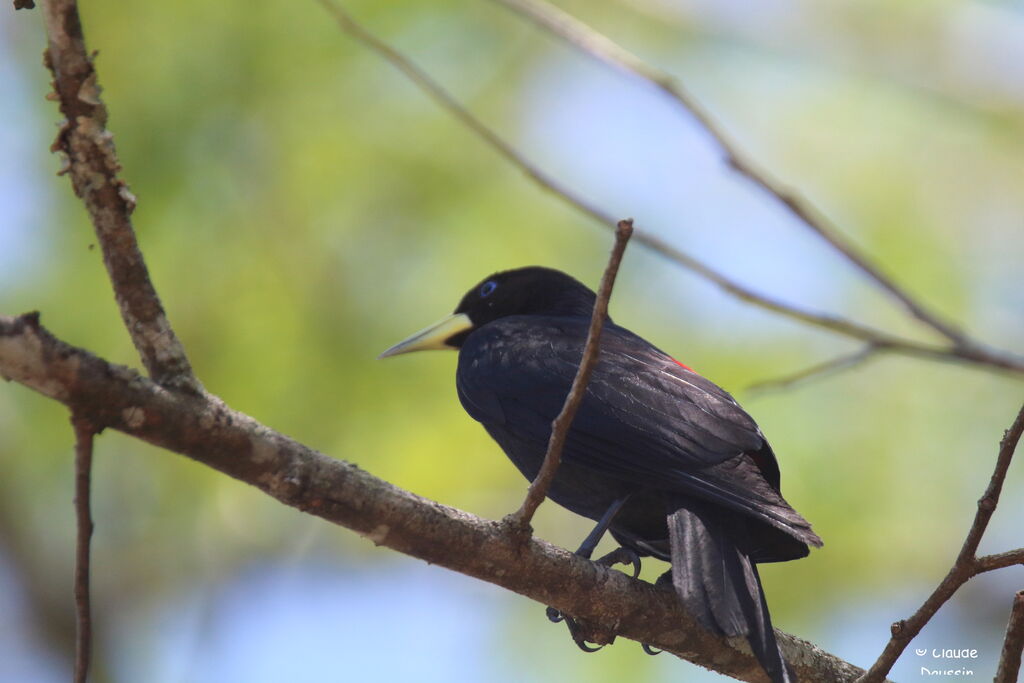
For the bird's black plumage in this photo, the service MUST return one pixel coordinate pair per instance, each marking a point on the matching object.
(700, 482)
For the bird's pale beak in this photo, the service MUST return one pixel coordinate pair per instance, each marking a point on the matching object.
(434, 337)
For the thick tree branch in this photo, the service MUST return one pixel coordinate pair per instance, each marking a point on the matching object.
(203, 428)
(83, 483)
(970, 353)
(560, 427)
(964, 568)
(93, 166)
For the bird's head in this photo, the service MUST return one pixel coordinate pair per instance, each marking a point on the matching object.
(533, 290)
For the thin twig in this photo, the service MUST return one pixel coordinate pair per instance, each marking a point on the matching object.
(560, 427)
(829, 367)
(965, 566)
(599, 46)
(1009, 558)
(1013, 644)
(83, 482)
(971, 353)
(92, 164)
(988, 502)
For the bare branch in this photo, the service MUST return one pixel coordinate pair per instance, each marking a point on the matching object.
(1009, 660)
(971, 353)
(83, 483)
(987, 503)
(93, 166)
(1009, 558)
(965, 566)
(599, 46)
(560, 427)
(203, 428)
(830, 367)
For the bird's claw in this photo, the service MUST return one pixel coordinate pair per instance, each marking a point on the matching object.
(650, 650)
(575, 630)
(622, 555)
(578, 637)
(583, 645)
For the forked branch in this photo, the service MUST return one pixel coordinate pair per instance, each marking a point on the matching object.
(966, 566)
(597, 45)
(963, 350)
(92, 164)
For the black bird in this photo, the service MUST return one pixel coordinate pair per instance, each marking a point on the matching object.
(662, 458)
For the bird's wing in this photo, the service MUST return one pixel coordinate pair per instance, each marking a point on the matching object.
(644, 418)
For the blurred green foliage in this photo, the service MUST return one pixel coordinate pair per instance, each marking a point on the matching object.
(302, 206)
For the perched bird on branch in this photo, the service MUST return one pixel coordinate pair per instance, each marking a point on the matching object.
(660, 457)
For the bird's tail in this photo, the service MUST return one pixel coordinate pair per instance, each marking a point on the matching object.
(720, 586)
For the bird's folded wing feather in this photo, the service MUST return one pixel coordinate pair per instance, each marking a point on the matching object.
(644, 418)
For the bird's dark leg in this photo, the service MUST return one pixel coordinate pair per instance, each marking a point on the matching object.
(586, 549)
(620, 555)
(594, 537)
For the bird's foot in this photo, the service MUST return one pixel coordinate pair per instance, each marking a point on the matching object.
(621, 555)
(583, 635)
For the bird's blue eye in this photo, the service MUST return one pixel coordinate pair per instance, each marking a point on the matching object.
(487, 288)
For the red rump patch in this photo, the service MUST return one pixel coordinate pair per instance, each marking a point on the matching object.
(684, 367)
